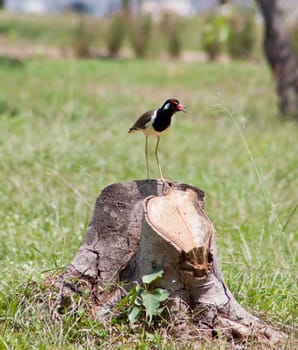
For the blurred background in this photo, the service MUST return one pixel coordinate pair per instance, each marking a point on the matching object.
(75, 75)
(187, 29)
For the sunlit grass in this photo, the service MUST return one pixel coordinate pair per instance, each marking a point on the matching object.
(67, 138)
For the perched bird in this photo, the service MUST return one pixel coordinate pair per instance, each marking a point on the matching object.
(155, 123)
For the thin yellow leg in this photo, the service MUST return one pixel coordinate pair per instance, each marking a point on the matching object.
(146, 155)
(156, 156)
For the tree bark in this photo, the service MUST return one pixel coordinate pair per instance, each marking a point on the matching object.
(281, 56)
(140, 225)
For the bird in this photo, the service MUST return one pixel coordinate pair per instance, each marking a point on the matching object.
(155, 123)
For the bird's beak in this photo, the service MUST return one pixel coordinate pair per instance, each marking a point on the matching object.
(182, 108)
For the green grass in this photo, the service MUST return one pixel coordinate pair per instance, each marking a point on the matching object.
(63, 137)
(50, 30)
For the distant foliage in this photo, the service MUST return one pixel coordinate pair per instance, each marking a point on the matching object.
(83, 37)
(242, 34)
(215, 34)
(115, 35)
(233, 32)
(140, 35)
(171, 27)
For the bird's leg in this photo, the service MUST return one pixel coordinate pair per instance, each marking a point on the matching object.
(156, 156)
(146, 155)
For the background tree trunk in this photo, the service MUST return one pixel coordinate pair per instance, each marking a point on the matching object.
(281, 56)
(140, 225)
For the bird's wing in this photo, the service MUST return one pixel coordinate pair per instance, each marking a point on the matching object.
(141, 122)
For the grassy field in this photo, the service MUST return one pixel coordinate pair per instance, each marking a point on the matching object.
(63, 137)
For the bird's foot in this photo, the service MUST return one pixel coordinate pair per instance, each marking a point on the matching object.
(166, 185)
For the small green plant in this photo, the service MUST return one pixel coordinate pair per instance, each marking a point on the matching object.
(143, 303)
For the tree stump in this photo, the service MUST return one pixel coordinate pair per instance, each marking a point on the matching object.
(138, 226)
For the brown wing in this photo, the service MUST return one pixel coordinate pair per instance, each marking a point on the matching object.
(142, 121)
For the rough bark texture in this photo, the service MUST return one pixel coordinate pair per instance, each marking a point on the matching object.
(281, 56)
(140, 225)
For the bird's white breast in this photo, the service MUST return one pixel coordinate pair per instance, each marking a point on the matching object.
(148, 130)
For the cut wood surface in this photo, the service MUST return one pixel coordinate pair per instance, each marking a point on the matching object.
(178, 218)
(138, 226)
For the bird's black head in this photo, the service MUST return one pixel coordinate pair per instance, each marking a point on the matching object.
(173, 105)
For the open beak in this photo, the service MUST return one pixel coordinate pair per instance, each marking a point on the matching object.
(182, 108)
